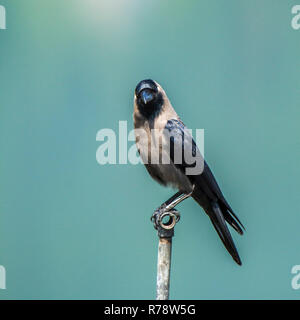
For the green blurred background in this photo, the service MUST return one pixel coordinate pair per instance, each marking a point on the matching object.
(72, 229)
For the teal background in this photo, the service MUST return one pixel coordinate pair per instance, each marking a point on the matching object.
(72, 229)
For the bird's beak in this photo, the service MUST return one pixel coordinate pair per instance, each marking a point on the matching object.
(147, 96)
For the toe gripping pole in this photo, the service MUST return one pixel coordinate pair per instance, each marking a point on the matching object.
(165, 230)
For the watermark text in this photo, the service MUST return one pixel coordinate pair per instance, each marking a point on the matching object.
(2, 17)
(152, 146)
(2, 278)
(296, 19)
(296, 279)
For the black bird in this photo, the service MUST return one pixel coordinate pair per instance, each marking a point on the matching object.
(160, 134)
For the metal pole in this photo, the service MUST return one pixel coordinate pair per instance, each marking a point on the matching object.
(165, 234)
(163, 268)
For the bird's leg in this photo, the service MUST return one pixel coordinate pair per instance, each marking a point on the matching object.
(168, 209)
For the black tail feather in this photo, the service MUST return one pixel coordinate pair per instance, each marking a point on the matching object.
(217, 218)
(218, 213)
(230, 216)
(232, 219)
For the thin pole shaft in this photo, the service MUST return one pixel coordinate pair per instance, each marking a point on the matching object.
(165, 234)
(163, 268)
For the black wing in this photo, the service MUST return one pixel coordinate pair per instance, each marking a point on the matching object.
(206, 190)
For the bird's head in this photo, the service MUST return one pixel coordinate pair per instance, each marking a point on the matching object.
(149, 98)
